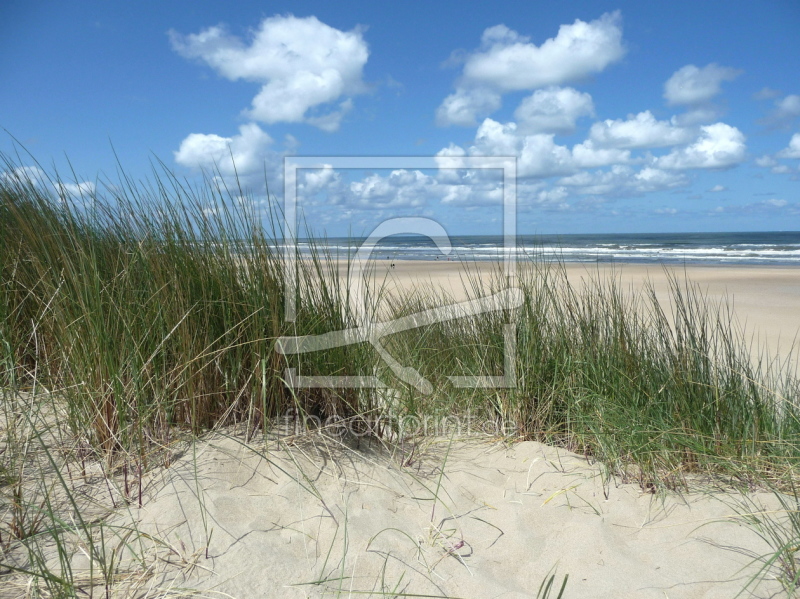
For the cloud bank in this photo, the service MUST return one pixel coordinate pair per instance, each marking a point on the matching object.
(304, 67)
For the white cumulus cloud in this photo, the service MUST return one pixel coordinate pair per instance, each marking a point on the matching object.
(243, 153)
(718, 146)
(785, 112)
(330, 121)
(553, 196)
(84, 189)
(623, 181)
(766, 161)
(639, 131)
(465, 106)
(314, 181)
(301, 64)
(507, 61)
(401, 188)
(694, 85)
(553, 110)
(788, 107)
(471, 194)
(793, 149)
(538, 155)
(587, 155)
(654, 179)
(24, 175)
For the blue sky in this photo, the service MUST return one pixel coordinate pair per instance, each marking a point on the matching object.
(624, 116)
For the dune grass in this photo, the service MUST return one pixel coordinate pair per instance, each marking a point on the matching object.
(779, 528)
(148, 311)
(154, 308)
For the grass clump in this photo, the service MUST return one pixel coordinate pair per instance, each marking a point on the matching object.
(777, 522)
(655, 394)
(154, 307)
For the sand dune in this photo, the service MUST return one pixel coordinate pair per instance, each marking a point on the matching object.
(468, 519)
(311, 516)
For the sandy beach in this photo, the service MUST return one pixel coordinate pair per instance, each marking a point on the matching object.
(765, 300)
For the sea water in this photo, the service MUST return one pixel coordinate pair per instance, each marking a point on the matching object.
(759, 248)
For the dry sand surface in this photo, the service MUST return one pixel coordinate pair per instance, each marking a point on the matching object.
(472, 519)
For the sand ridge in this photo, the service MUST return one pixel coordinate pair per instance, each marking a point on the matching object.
(471, 518)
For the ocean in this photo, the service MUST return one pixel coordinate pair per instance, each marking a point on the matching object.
(777, 248)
